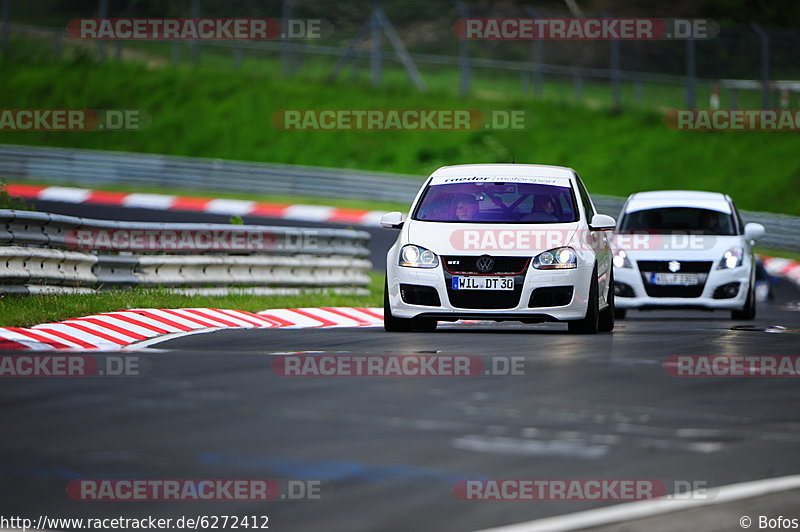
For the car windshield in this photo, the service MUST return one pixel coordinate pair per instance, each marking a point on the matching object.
(496, 202)
(678, 220)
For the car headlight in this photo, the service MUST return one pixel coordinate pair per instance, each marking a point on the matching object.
(621, 259)
(418, 257)
(556, 259)
(731, 259)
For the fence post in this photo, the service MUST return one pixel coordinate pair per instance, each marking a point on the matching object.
(56, 45)
(101, 45)
(764, 64)
(118, 50)
(577, 85)
(176, 52)
(732, 103)
(5, 25)
(537, 55)
(287, 57)
(690, 75)
(463, 53)
(195, 42)
(616, 104)
(376, 38)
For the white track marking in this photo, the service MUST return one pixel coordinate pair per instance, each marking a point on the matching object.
(643, 509)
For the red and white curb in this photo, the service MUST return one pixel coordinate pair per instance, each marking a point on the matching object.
(230, 207)
(782, 268)
(129, 328)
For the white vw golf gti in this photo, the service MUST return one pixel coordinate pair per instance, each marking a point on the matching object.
(685, 249)
(500, 242)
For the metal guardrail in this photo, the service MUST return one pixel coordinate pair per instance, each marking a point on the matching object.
(42, 252)
(102, 168)
(96, 169)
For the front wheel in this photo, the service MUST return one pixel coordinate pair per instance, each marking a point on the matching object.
(394, 324)
(591, 323)
(749, 311)
(608, 314)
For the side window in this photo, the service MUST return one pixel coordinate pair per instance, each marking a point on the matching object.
(587, 204)
(738, 217)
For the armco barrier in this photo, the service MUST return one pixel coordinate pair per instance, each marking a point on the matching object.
(37, 254)
(99, 169)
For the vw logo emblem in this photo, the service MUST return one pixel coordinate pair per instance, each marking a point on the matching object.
(485, 264)
(674, 266)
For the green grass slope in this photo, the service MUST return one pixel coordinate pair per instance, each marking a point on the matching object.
(212, 111)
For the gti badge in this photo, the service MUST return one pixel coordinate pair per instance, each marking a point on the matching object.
(485, 264)
(674, 266)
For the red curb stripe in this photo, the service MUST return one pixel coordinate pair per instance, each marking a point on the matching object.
(249, 317)
(165, 321)
(38, 338)
(67, 337)
(325, 322)
(190, 318)
(190, 204)
(24, 191)
(275, 319)
(12, 345)
(112, 327)
(106, 197)
(99, 334)
(269, 210)
(347, 215)
(132, 321)
(212, 318)
(368, 311)
(360, 321)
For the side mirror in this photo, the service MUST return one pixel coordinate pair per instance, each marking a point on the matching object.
(393, 220)
(753, 231)
(602, 222)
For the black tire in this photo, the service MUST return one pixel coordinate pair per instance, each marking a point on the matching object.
(619, 313)
(749, 311)
(591, 323)
(608, 314)
(394, 324)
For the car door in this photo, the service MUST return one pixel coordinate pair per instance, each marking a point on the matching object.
(599, 241)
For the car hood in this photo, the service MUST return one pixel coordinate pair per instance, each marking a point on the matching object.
(675, 247)
(513, 240)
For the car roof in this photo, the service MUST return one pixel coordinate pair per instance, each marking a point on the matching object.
(714, 201)
(519, 170)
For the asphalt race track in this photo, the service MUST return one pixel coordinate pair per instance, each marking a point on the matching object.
(387, 451)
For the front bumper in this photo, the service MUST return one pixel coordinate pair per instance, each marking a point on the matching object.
(578, 278)
(716, 278)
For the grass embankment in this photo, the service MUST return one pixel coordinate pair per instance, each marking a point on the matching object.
(214, 111)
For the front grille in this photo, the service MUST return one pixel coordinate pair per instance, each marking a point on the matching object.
(414, 294)
(502, 265)
(686, 266)
(485, 299)
(674, 291)
(551, 296)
